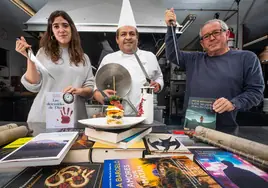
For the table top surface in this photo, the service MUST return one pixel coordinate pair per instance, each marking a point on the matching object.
(254, 133)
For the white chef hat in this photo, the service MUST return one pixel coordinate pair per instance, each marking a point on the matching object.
(126, 15)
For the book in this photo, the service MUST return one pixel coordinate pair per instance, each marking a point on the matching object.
(17, 143)
(13, 145)
(44, 149)
(113, 136)
(230, 170)
(200, 113)
(66, 175)
(60, 111)
(101, 152)
(177, 171)
(81, 148)
(124, 144)
(164, 145)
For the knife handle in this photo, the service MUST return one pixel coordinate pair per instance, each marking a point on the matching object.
(27, 49)
(106, 98)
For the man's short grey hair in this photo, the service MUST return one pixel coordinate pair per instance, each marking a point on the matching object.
(224, 26)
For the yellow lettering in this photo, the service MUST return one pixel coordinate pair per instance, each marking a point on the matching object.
(119, 185)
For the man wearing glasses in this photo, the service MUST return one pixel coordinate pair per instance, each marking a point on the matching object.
(233, 77)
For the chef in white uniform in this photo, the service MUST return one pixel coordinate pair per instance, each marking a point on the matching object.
(127, 39)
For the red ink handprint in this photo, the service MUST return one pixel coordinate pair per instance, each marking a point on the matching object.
(65, 117)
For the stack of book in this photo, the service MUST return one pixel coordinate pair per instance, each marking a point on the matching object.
(117, 144)
(44, 149)
(80, 151)
(46, 157)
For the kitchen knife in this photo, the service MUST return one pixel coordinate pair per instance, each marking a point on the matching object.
(37, 62)
(32, 57)
(142, 68)
(173, 25)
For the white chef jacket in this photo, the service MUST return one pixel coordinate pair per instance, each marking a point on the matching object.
(138, 79)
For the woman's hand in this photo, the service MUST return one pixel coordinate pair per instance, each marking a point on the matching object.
(71, 89)
(81, 91)
(21, 46)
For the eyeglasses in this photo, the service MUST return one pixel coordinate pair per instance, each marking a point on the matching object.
(214, 33)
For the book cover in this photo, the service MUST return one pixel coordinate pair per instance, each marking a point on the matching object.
(200, 113)
(45, 147)
(82, 141)
(164, 143)
(17, 143)
(59, 110)
(13, 145)
(156, 172)
(78, 175)
(4, 152)
(229, 170)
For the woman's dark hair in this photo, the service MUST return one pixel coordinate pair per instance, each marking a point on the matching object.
(51, 46)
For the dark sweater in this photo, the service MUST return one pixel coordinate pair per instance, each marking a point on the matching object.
(235, 75)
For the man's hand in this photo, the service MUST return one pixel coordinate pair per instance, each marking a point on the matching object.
(100, 98)
(109, 92)
(223, 105)
(155, 85)
(170, 17)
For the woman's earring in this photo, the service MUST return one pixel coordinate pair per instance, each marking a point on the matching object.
(52, 37)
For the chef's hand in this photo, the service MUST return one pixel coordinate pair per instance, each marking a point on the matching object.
(100, 98)
(71, 89)
(109, 92)
(155, 85)
(223, 105)
(170, 17)
(21, 46)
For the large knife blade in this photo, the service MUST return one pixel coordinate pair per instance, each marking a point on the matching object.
(37, 62)
(173, 26)
(142, 68)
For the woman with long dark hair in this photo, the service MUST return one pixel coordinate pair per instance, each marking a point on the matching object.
(62, 55)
